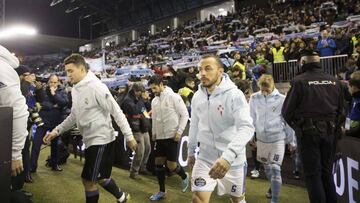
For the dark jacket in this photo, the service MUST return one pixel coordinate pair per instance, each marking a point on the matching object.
(176, 81)
(133, 108)
(28, 90)
(326, 51)
(313, 94)
(53, 107)
(354, 117)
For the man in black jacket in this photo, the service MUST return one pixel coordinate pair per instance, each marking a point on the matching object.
(313, 107)
(27, 79)
(53, 99)
(134, 108)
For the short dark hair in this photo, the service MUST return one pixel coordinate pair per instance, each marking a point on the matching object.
(156, 80)
(217, 59)
(355, 79)
(243, 85)
(138, 87)
(189, 79)
(76, 59)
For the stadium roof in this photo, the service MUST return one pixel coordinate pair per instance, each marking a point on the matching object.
(107, 16)
(42, 44)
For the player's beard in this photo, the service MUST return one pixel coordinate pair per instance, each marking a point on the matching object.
(208, 82)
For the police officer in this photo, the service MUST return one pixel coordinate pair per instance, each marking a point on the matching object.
(313, 107)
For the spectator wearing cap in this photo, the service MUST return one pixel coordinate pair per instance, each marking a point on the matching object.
(352, 127)
(326, 45)
(134, 109)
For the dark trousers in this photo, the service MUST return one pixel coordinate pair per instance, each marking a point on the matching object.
(17, 182)
(37, 142)
(317, 153)
(26, 153)
(254, 158)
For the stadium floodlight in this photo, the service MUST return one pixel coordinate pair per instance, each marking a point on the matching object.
(71, 9)
(88, 15)
(17, 31)
(55, 2)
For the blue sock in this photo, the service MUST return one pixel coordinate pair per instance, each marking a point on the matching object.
(267, 171)
(276, 182)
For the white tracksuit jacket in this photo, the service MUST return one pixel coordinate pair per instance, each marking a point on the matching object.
(10, 96)
(269, 125)
(221, 123)
(169, 115)
(92, 105)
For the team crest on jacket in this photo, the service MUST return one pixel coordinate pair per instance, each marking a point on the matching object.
(221, 109)
(200, 182)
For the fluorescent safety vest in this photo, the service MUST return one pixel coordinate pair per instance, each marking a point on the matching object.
(242, 68)
(278, 55)
(185, 91)
(354, 42)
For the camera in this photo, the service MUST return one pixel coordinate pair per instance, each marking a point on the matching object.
(35, 117)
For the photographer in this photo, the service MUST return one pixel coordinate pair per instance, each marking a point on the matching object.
(133, 107)
(27, 79)
(53, 99)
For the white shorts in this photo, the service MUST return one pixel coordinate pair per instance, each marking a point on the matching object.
(233, 182)
(270, 153)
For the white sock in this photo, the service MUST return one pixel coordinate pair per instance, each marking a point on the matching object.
(242, 201)
(122, 198)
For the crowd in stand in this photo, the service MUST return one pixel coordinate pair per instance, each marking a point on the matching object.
(252, 30)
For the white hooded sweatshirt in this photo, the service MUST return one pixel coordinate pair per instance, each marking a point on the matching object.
(10, 96)
(221, 123)
(92, 105)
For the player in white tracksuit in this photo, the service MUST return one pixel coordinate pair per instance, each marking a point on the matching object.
(10, 95)
(92, 108)
(221, 124)
(272, 132)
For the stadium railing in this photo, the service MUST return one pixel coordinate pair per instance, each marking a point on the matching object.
(287, 70)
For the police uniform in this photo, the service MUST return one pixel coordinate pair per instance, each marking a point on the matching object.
(313, 107)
